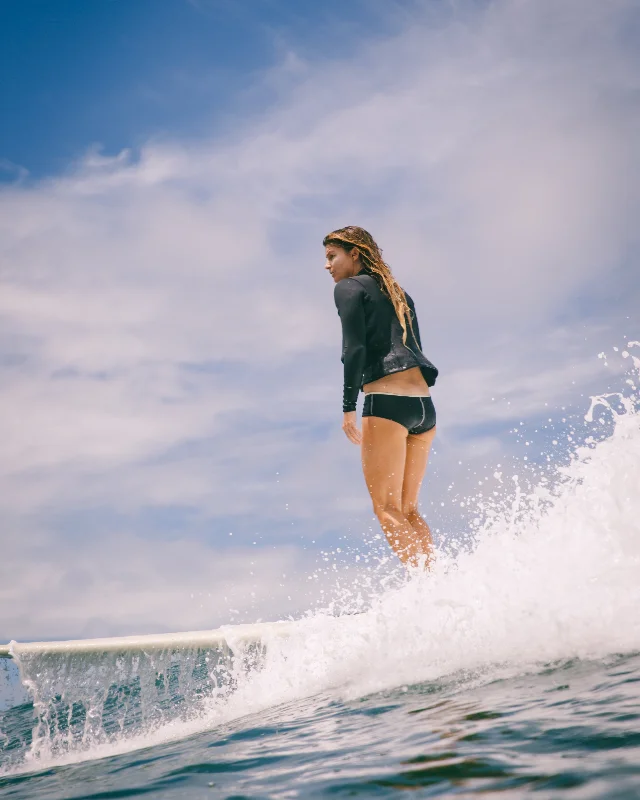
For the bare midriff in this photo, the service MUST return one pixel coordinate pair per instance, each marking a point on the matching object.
(408, 382)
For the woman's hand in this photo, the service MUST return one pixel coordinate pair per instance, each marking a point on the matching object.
(350, 427)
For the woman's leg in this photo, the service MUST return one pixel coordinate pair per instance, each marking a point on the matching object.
(384, 456)
(418, 448)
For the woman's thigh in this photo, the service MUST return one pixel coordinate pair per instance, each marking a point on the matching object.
(417, 457)
(384, 451)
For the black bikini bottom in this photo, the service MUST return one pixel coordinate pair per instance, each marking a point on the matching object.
(417, 414)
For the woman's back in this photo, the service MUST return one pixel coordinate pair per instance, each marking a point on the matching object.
(370, 320)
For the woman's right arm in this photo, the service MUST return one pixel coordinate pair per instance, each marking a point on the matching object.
(349, 299)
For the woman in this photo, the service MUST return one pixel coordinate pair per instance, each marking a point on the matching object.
(382, 354)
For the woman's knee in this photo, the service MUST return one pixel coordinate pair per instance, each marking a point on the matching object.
(388, 510)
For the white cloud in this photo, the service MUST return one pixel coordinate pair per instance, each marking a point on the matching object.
(169, 334)
(121, 584)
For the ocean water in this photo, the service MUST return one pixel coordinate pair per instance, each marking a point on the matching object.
(513, 668)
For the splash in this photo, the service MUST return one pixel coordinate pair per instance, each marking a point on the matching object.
(552, 575)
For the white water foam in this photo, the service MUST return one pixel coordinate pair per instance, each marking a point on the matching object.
(553, 575)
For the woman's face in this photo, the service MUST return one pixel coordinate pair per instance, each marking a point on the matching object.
(340, 263)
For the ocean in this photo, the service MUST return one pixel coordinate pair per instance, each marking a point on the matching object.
(513, 668)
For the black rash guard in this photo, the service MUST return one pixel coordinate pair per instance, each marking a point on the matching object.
(372, 337)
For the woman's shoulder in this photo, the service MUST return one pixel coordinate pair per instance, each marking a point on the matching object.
(348, 289)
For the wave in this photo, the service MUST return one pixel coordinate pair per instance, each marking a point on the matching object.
(550, 573)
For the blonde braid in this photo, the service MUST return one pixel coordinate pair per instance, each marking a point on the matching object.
(371, 256)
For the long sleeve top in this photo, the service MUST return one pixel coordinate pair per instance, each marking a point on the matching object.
(372, 337)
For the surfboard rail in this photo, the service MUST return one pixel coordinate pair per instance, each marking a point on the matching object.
(190, 640)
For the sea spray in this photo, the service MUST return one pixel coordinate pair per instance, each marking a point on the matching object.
(553, 574)
(84, 701)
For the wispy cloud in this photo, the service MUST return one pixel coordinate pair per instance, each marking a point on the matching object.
(121, 584)
(15, 172)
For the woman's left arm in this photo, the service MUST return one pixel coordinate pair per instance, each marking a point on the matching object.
(414, 322)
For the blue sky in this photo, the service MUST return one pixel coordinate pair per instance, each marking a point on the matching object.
(119, 73)
(170, 351)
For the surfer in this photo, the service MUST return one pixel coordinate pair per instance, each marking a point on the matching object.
(382, 355)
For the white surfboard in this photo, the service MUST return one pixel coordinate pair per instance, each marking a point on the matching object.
(229, 635)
